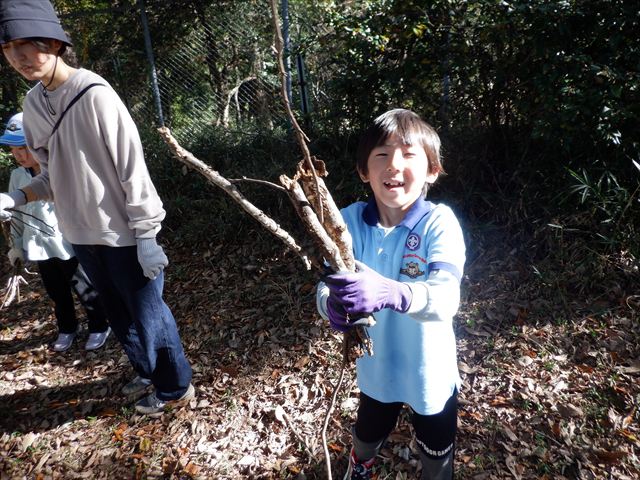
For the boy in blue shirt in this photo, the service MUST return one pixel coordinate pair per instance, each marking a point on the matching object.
(410, 256)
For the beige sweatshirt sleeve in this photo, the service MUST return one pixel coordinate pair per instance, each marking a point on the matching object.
(121, 139)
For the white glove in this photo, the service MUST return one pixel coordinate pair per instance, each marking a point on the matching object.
(10, 200)
(15, 254)
(151, 257)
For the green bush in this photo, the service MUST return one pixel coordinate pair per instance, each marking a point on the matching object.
(6, 165)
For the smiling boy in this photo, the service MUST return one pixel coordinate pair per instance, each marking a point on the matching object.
(410, 255)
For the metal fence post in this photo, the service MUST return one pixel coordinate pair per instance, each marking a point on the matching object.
(152, 64)
(304, 94)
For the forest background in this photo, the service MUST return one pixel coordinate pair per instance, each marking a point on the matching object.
(537, 103)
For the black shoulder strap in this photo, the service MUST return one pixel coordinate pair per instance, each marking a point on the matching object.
(75, 99)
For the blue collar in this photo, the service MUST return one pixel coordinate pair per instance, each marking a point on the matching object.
(418, 210)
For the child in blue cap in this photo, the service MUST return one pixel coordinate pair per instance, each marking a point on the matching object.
(92, 164)
(36, 238)
(410, 256)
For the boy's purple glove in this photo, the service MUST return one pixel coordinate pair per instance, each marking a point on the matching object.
(337, 316)
(341, 321)
(365, 291)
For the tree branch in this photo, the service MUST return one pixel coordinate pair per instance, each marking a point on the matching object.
(254, 180)
(300, 135)
(218, 180)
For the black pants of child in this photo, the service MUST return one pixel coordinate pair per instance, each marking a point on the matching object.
(435, 434)
(60, 278)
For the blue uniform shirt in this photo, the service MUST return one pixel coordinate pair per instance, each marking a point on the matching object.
(414, 357)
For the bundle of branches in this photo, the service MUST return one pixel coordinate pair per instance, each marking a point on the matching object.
(319, 214)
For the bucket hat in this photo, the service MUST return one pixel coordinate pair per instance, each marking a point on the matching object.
(14, 134)
(29, 19)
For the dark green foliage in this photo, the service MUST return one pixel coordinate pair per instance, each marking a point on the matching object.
(537, 103)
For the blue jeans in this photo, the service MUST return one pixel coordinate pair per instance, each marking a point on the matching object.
(139, 318)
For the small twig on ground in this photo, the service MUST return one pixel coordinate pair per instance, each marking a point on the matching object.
(285, 419)
(327, 416)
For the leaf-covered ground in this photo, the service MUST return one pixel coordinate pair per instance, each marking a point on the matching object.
(545, 395)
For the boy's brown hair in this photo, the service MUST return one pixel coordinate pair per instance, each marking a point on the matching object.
(407, 125)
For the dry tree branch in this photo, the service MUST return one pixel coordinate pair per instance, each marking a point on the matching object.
(300, 135)
(332, 403)
(333, 234)
(255, 180)
(13, 288)
(218, 180)
(15, 218)
(332, 231)
(331, 219)
(335, 253)
(326, 244)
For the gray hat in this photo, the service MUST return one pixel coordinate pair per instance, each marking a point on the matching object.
(29, 19)
(14, 134)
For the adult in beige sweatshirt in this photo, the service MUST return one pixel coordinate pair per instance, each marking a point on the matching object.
(93, 168)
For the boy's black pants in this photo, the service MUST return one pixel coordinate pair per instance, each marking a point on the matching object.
(435, 434)
(60, 277)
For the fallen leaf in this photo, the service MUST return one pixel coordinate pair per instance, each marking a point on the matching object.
(192, 469)
(569, 410)
(302, 362)
(28, 440)
(108, 412)
(247, 460)
(509, 434)
(145, 444)
(515, 469)
(609, 457)
(279, 412)
(525, 361)
(334, 447)
(464, 368)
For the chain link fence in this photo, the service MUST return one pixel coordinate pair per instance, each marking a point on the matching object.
(197, 94)
(219, 74)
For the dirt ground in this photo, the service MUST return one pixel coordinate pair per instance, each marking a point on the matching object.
(545, 395)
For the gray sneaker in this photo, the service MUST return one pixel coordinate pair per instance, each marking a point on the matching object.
(64, 341)
(136, 385)
(97, 340)
(154, 407)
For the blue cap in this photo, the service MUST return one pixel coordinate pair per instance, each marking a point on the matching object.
(13, 133)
